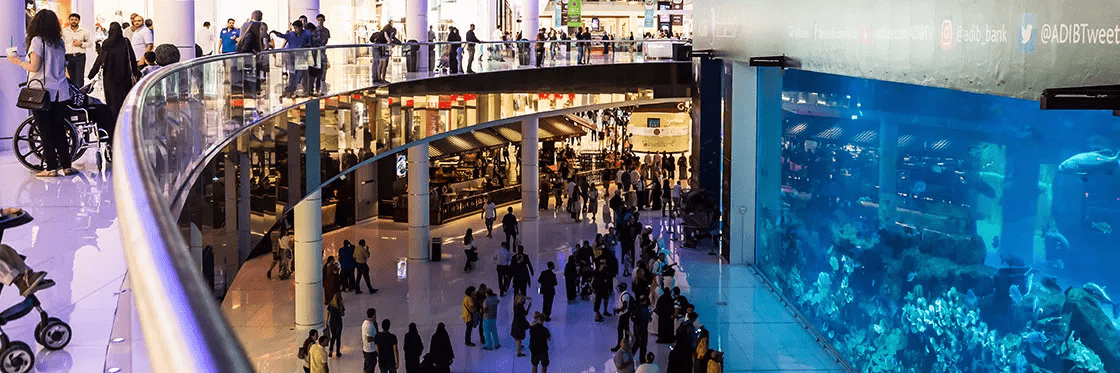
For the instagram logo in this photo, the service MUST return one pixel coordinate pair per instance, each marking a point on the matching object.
(946, 34)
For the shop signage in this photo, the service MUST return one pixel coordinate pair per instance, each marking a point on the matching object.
(1014, 48)
(402, 165)
(575, 14)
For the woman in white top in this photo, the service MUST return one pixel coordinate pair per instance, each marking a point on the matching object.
(46, 63)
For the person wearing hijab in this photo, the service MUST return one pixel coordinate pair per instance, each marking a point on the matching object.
(440, 351)
(117, 63)
(413, 348)
(453, 57)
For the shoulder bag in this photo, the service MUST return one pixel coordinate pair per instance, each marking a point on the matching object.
(32, 98)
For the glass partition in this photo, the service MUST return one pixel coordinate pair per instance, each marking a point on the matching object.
(931, 230)
(178, 119)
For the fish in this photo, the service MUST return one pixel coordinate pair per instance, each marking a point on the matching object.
(918, 187)
(995, 242)
(984, 188)
(1057, 238)
(1036, 342)
(1102, 227)
(1099, 293)
(937, 168)
(1015, 294)
(910, 277)
(1051, 283)
(1085, 164)
(970, 297)
(1013, 261)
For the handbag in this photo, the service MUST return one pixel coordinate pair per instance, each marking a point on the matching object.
(31, 98)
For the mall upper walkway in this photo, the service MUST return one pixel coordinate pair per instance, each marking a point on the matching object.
(177, 119)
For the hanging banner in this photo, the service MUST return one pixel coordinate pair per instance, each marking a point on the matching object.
(575, 13)
(649, 17)
(559, 16)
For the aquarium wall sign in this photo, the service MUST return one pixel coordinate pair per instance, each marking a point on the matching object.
(1014, 48)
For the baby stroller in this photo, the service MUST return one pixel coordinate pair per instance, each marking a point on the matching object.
(52, 333)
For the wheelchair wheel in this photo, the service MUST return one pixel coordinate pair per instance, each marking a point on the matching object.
(29, 148)
(17, 358)
(53, 334)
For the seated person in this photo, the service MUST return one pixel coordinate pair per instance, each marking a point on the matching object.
(14, 271)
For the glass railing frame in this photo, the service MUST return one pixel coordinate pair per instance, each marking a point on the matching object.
(175, 306)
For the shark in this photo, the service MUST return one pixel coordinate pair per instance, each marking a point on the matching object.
(1085, 164)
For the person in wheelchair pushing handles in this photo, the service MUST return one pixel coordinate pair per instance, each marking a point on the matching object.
(14, 271)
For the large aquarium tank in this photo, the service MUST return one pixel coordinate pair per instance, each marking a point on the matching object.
(932, 230)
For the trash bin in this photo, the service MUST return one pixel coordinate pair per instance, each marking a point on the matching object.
(682, 52)
(523, 54)
(437, 250)
(411, 55)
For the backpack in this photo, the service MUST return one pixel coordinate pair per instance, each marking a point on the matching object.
(251, 42)
(302, 353)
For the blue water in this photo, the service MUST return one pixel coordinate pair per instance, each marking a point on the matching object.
(962, 244)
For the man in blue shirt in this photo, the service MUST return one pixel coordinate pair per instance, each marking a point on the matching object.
(229, 37)
(297, 61)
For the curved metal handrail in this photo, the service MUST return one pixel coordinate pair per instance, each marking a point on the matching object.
(163, 136)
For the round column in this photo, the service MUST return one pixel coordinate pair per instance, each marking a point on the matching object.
(530, 190)
(309, 262)
(296, 8)
(419, 234)
(530, 18)
(416, 27)
(178, 30)
(12, 14)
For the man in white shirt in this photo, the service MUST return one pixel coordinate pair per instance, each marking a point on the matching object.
(489, 214)
(648, 366)
(205, 39)
(141, 39)
(676, 195)
(369, 352)
(77, 40)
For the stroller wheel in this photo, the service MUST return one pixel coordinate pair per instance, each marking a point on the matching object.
(54, 334)
(17, 358)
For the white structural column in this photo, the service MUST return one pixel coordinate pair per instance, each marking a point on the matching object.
(530, 190)
(309, 8)
(419, 231)
(309, 260)
(178, 30)
(12, 14)
(416, 27)
(309, 231)
(530, 19)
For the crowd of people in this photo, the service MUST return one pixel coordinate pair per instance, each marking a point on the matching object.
(649, 303)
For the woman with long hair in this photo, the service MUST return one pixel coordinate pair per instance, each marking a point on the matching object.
(46, 65)
(117, 63)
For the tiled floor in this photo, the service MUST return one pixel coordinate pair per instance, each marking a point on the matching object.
(75, 238)
(746, 320)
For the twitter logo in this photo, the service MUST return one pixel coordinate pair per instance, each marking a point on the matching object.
(1026, 33)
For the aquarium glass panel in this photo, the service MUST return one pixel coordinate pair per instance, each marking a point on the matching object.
(932, 230)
